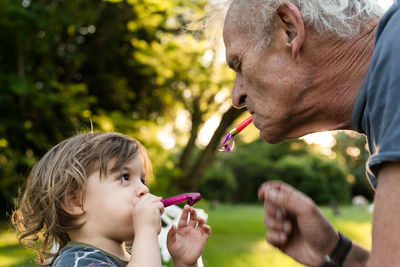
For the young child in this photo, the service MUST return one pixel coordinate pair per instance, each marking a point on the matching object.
(86, 198)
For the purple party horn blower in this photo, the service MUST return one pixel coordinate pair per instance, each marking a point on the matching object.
(191, 199)
(227, 143)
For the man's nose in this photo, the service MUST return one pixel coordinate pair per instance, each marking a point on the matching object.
(238, 93)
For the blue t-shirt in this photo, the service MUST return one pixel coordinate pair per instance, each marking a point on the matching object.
(76, 254)
(376, 112)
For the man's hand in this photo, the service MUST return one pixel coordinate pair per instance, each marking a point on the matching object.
(295, 225)
(186, 242)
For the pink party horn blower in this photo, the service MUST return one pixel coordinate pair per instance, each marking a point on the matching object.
(227, 143)
(191, 199)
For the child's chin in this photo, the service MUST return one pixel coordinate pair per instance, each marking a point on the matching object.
(129, 243)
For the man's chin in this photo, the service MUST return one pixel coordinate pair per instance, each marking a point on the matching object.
(271, 139)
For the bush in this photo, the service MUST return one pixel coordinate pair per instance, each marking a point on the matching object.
(322, 179)
(218, 184)
(316, 175)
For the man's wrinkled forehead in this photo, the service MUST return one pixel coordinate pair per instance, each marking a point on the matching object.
(249, 20)
(232, 32)
(231, 22)
(230, 39)
(227, 32)
(241, 22)
(236, 41)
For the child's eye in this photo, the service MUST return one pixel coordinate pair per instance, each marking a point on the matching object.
(143, 179)
(124, 177)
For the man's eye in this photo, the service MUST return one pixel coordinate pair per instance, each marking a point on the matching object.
(124, 177)
(239, 67)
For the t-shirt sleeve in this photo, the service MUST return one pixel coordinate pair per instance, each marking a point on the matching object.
(83, 257)
(383, 100)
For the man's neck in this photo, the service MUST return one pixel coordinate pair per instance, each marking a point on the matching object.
(341, 69)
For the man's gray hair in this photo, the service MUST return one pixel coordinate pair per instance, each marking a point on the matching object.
(341, 18)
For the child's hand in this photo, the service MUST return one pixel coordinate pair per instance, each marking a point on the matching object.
(146, 213)
(186, 243)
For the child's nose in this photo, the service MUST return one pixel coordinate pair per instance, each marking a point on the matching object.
(142, 190)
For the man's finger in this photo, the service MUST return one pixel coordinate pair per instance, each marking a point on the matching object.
(276, 238)
(278, 225)
(284, 196)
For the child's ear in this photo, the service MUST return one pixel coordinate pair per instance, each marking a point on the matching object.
(72, 204)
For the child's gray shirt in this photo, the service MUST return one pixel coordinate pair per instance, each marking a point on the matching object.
(76, 254)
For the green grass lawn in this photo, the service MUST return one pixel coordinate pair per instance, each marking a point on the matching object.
(237, 238)
(11, 253)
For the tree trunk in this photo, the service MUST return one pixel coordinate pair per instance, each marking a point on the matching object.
(20, 58)
(184, 161)
(193, 177)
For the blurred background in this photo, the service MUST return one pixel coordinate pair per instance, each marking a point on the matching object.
(139, 67)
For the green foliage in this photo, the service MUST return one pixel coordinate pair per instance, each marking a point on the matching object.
(218, 184)
(351, 150)
(321, 178)
(47, 91)
(122, 66)
(166, 172)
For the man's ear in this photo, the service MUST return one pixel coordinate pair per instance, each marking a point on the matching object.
(289, 18)
(72, 204)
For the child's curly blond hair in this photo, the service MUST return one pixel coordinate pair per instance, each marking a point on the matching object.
(41, 222)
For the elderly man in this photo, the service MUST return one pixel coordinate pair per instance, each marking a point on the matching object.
(305, 66)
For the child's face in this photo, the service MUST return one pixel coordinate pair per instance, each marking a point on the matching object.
(108, 201)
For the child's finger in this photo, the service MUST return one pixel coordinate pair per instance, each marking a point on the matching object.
(200, 222)
(193, 218)
(207, 229)
(184, 217)
(171, 236)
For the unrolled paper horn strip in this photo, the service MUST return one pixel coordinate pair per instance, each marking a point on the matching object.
(191, 199)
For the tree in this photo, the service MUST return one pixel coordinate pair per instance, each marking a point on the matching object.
(189, 75)
(120, 65)
(350, 149)
(62, 65)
